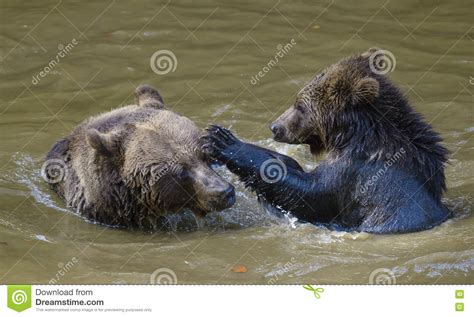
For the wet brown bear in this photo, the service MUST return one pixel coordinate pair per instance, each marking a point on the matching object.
(130, 166)
(385, 166)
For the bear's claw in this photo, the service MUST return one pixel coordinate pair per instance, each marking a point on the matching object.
(221, 132)
(219, 143)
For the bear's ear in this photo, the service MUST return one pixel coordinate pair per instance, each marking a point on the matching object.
(107, 144)
(147, 96)
(366, 90)
(371, 51)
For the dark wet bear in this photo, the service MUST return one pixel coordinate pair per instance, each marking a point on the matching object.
(385, 167)
(133, 165)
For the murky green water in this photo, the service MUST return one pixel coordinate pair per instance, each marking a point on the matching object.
(104, 50)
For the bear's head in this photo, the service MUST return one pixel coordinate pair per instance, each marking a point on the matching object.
(158, 158)
(326, 104)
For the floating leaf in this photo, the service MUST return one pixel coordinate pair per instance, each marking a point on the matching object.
(239, 269)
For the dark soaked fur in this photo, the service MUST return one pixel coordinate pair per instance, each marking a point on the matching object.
(385, 167)
(131, 166)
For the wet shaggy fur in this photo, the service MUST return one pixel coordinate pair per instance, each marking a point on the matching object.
(130, 166)
(384, 171)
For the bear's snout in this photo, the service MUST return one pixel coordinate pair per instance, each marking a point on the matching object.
(285, 126)
(220, 196)
(212, 191)
(223, 197)
(278, 131)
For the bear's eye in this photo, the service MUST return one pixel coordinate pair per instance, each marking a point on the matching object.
(183, 174)
(300, 107)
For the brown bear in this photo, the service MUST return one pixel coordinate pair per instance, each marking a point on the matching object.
(385, 167)
(131, 166)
